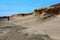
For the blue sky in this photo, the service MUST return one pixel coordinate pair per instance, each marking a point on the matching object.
(9, 7)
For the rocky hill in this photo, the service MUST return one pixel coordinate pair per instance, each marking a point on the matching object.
(42, 24)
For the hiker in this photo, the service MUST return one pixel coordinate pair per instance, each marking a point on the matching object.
(8, 18)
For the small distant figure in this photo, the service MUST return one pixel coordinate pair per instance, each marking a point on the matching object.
(8, 18)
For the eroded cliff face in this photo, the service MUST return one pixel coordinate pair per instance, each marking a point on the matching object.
(42, 24)
(47, 12)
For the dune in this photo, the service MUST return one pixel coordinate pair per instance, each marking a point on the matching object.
(42, 24)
